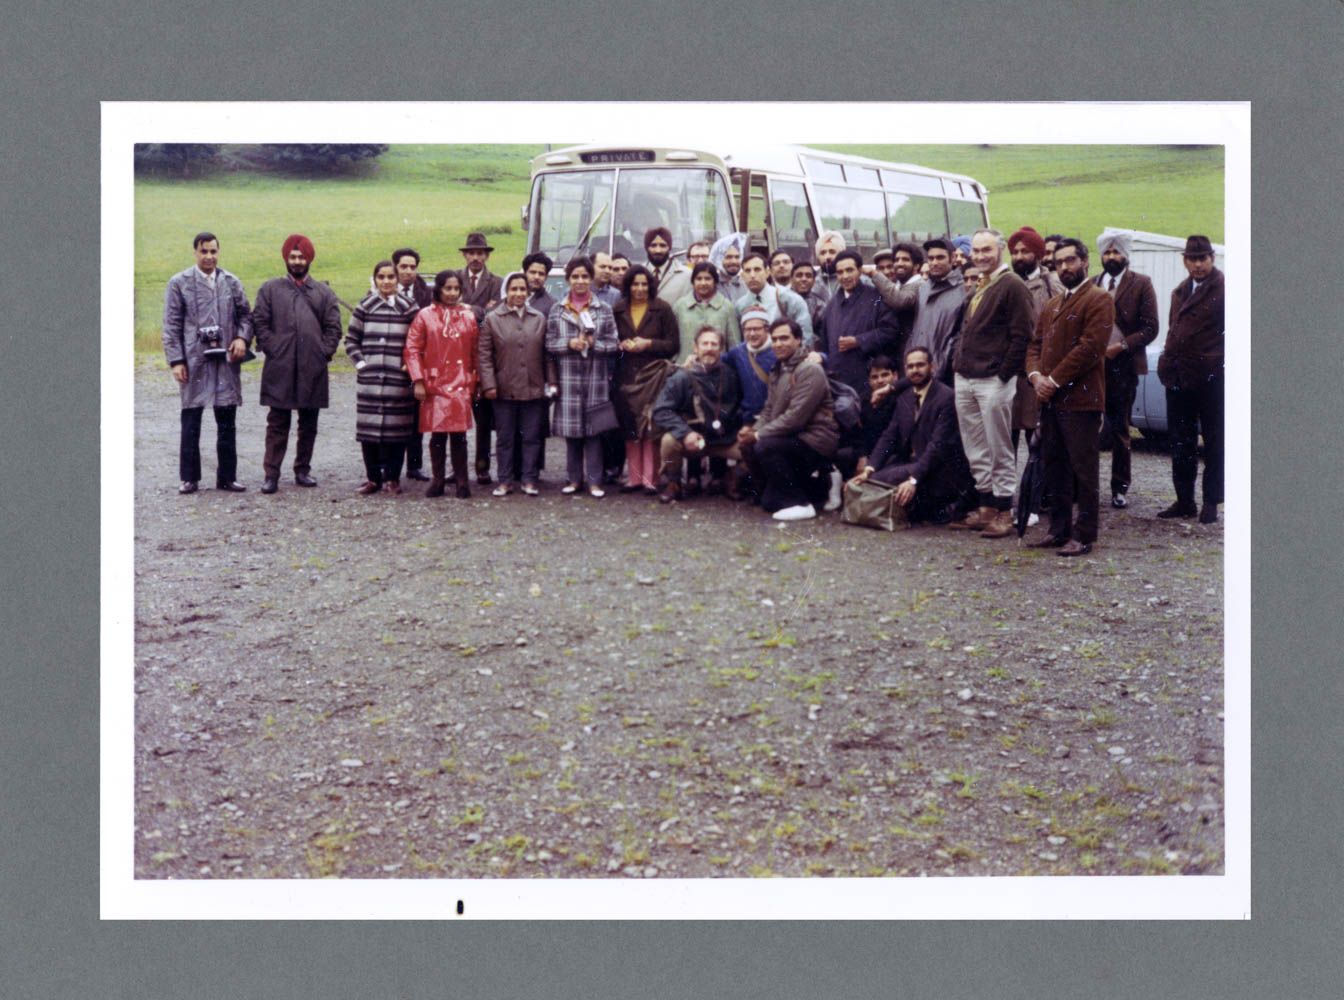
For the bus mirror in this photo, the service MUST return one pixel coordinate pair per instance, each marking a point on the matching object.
(523, 212)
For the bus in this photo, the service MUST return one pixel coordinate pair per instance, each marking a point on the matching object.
(595, 197)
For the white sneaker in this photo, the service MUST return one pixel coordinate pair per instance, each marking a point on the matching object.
(1033, 519)
(835, 497)
(801, 513)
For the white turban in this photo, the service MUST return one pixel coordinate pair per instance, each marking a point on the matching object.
(1114, 241)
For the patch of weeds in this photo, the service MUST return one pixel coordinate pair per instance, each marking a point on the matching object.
(998, 673)
(473, 814)
(939, 642)
(760, 871)
(966, 781)
(716, 860)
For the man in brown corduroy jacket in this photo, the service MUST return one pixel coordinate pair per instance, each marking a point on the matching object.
(1065, 364)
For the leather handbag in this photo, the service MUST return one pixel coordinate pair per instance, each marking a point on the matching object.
(873, 505)
(600, 417)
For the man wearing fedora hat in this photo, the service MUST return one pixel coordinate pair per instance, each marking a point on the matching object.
(480, 291)
(1191, 369)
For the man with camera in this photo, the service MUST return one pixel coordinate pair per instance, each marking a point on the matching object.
(699, 408)
(207, 327)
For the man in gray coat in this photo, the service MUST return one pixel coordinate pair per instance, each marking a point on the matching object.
(937, 304)
(298, 326)
(207, 327)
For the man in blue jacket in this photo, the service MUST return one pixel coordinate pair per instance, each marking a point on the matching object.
(856, 326)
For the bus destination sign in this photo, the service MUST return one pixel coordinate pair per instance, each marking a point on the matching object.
(619, 156)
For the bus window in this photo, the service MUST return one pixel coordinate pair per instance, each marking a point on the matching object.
(866, 176)
(692, 203)
(966, 216)
(823, 169)
(899, 180)
(794, 231)
(915, 217)
(567, 204)
(859, 216)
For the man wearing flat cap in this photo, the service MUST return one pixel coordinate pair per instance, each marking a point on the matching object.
(1191, 369)
(1126, 355)
(298, 326)
(480, 291)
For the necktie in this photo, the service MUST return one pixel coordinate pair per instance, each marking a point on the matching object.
(1111, 287)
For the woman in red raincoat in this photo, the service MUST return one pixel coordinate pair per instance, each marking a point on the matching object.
(440, 357)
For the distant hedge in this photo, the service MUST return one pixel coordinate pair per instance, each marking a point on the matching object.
(185, 159)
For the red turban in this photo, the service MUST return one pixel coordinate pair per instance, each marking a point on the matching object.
(1032, 239)
(302, 243)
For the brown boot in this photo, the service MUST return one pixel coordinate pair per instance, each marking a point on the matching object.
(438, 458)
(975, 520)
(999, 526)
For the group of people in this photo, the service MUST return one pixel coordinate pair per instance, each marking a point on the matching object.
(920, 371)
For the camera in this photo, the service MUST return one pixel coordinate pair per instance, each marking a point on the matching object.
(212, 341)
(552, 392)
(716, 426)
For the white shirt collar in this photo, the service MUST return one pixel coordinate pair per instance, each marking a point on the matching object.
(208, 278)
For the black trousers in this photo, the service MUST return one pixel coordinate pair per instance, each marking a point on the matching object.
(382, 460)
(1192, 411)
(518, 439)
(1071, 457)
(484, 413)
(1121, 386)
(277, 440)
(783, 468)
(226, 449)
(415, 443)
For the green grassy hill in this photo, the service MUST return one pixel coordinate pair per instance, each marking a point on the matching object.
(431, 196)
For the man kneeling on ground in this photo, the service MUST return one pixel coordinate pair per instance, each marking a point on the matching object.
(699, 408)
(796, 434)
(920, 451)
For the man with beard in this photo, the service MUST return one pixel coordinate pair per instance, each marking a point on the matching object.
(781, 268)
(658, 250)
(995, 328)
(413, 287)
(1191, 369)
(803, 280)
(699, 409)
(1026, 249)
(1065, 366)
(829, 244)
(729, 263)
(536, 269)
(1051, 241)
(1126, 354)
(776, 301)
(901, 276)
(919, 452)
(603, 288)
(298, 326)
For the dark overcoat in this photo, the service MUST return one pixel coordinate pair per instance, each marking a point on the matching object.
(1135, 317)
(298, 328)
(861, 314)
(924, 444)
(1193, 352)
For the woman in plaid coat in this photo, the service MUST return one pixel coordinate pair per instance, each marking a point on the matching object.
(384, 402)
(581, 338)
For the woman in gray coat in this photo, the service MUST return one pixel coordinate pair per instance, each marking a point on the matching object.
(581, 339)
(513, 369)
(385, 409)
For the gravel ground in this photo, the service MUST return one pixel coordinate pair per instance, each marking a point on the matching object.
(334, 685)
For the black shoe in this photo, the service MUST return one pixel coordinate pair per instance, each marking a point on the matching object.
(692, 487)
(1048, 542)
(1208, 514)
(188, 486)
(303, 479)
(1073, 547)
(417, 475)
(1179, 509)
(464, 492)
(270, 485)
(234, 487)
(1119, 500)
(483, 478)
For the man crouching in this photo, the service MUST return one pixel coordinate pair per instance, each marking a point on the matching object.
(795, 435)
(700, 409)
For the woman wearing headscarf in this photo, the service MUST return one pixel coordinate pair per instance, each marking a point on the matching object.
(513, 367)
(441, 360)
(384, 401)
(704, 306)
(581, 340)
(647, 329)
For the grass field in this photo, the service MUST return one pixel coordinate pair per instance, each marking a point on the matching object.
(431, 196)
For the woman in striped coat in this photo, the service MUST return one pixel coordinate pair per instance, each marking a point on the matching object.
(384, 403)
